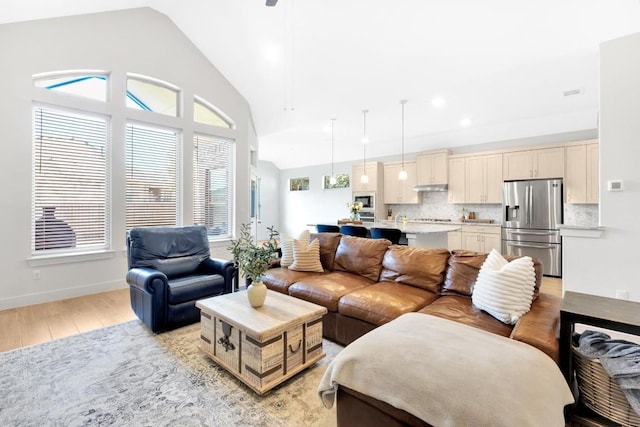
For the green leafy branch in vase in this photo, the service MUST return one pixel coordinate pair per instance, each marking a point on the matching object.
(253, 259)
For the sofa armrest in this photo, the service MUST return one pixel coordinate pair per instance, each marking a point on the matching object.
(539, 326)
(145, 280)
(223, 267)
(148, 289)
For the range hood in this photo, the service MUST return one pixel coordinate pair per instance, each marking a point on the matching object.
(431, 187)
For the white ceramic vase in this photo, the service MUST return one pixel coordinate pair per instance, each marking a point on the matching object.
(256, 292)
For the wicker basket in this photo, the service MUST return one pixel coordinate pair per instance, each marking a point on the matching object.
(600, 393)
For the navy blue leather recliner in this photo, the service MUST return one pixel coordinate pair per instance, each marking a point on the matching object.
(169, 270)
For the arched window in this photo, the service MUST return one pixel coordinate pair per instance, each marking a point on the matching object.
(148, 94)
(205, 112)
(87, 84)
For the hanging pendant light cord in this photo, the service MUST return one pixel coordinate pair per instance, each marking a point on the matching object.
(364, 139)
(402, 135)
(332, 123)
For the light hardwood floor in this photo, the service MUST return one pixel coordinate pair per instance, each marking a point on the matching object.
(34, 324)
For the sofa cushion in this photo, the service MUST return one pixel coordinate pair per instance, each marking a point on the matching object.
(505, 289)
(306, 256)
(175, 251)
(459, 309)
(380, 303)
(464, 267)
(327, 289)
(419, 267)
(176, 267)
(462, 273)
(286, 246)
(361, 256)
(192, 288)
(328, 244)
(280, 278)
(539, 325)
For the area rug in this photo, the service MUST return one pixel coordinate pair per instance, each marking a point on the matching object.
(124, 375)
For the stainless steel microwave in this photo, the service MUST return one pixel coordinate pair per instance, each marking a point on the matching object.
(367, 200)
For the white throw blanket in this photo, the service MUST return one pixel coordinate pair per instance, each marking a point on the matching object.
(450, 374)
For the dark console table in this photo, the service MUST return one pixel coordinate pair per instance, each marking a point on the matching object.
(608, 313)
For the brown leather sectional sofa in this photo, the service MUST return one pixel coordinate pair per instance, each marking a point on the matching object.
(367, 283)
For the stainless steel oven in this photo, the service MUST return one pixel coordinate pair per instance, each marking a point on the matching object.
(367, 217)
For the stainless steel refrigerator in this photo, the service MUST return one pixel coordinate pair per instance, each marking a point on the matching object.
(532, 212)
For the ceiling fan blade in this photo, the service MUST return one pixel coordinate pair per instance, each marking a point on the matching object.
(271, 2)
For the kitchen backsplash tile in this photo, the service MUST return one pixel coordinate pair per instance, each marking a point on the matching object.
(581, 215)
(436, 205)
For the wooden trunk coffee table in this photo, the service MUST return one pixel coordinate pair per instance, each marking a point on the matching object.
(261, 346)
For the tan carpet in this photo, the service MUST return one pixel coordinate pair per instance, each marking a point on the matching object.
(125, 375)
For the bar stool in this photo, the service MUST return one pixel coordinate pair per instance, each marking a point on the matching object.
(327, 228)
(354, 230)
(392, 234)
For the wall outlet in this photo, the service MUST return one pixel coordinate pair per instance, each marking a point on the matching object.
(622, 294)
(35, 274)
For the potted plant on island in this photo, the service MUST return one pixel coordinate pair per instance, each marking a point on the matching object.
(354, 209)
(252, 260)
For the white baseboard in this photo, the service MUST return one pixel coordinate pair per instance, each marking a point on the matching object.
(59, 294)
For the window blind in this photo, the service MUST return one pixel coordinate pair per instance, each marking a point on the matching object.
(212, 184)
(69, 194)
(152, 176)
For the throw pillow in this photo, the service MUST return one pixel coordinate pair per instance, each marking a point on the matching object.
(306, 256)
(505, 289)
(286, 245)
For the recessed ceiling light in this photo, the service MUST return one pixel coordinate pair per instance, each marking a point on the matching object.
(272, 53)
(438, 102)
(465, 122)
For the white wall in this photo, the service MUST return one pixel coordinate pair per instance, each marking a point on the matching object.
(601, 266)
(300, 208)
(140, 41)
(269, 198)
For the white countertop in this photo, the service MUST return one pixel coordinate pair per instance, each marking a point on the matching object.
(423, 227)
(417, 227)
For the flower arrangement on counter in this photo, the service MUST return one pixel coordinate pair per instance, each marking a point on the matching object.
(354, 208)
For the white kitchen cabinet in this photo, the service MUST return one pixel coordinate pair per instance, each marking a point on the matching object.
(483, 179)
(534, 164)
(454, 240)
(398, 191)
(374, 172)
(456, 187)
(432, 167)
(481, 238)
(593, 173)
(581, 183)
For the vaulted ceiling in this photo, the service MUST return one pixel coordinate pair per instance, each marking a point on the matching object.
(514, 68)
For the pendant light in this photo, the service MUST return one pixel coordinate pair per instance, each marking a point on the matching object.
(332, 180)
(364, 179)
(402, 176)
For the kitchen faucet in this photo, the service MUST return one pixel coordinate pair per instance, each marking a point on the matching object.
(395, 220)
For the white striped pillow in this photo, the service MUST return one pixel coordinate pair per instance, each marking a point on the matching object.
(306, 256)
(505, 289)
(286, 245)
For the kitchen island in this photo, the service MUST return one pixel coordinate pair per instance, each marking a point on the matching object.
(421, 234)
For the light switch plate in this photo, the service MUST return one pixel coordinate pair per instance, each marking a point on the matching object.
(614, 185)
